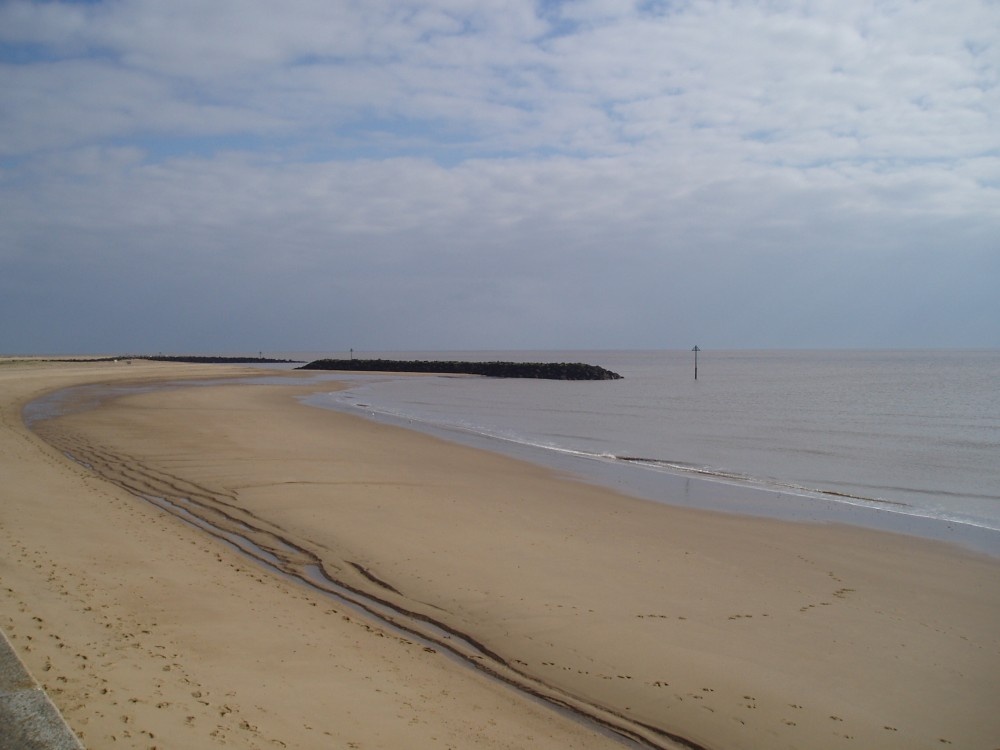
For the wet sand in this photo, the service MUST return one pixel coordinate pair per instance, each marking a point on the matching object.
(674, 626)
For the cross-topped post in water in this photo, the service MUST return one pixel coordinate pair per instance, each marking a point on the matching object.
(696, 350)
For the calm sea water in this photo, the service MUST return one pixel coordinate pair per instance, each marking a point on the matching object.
(902, 435)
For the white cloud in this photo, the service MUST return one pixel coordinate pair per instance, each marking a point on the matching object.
(514, 161)
(897, 84)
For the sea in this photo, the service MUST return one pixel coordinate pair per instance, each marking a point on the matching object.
(904, 441)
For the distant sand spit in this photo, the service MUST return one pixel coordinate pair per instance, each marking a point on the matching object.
(673, 626)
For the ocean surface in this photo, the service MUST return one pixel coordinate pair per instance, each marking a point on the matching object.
(899, 440)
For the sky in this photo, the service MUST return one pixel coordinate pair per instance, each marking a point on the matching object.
(236, 176)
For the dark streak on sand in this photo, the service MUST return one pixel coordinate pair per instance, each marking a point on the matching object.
(373, 578)
(260, 541)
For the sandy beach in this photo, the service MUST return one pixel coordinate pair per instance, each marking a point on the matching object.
(512, 590)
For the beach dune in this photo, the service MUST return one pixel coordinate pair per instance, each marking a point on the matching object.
(477, 600)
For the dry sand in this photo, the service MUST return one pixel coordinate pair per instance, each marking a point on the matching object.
(719, 631)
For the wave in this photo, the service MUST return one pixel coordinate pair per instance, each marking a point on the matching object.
(662, 464)
(746, 478)
(554, 445)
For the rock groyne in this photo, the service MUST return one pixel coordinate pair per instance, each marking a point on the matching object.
(543, 370)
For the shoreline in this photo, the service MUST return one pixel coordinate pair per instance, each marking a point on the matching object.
(701, 624)
(679, 489)
(631, 477)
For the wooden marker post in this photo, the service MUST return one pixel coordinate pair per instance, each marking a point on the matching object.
(696, 350)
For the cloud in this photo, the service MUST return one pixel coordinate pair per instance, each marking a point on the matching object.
(440, 175)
